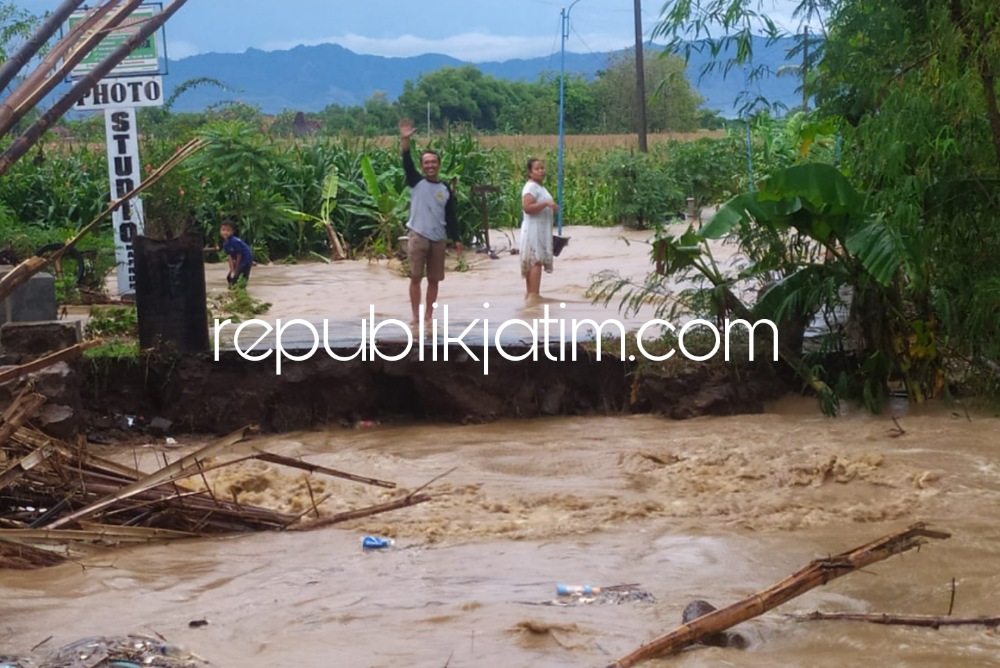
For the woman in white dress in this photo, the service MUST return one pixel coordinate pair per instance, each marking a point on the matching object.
(536, 230)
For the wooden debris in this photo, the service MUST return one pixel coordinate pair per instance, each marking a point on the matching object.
(184, 467)
(19, 412)
(61, 502)
(930, 621)
(132, 650)
(47, 361)
(815, 574)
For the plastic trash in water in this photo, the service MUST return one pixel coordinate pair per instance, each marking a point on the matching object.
(376, 543)
(577, 590)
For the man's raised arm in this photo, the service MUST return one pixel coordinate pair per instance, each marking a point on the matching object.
(412, 175)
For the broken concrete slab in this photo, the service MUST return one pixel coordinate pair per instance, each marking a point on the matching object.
(33, 301)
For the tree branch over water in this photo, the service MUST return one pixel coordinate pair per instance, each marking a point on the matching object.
(815, 574)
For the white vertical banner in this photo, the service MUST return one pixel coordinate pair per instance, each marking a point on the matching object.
(125, 175)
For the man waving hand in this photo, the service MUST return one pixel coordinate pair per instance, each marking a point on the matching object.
(433, 223)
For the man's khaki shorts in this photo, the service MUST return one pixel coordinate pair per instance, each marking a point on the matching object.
(425, 256)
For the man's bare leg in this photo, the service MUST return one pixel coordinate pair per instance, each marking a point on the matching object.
(432, 295)
(415, 298)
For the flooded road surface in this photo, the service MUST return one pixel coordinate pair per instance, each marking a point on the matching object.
(344, 293)
(713, 508)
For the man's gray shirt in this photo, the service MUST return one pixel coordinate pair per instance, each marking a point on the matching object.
(432, 205)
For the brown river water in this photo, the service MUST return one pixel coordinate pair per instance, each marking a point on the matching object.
(712, 508)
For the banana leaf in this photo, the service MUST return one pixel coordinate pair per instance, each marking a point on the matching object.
(815, 199)
(879, 248)
(674, 254)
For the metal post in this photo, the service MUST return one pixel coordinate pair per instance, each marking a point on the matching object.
(640, 78)
(562, 106)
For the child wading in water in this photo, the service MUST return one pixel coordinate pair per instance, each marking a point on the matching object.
(240, 255)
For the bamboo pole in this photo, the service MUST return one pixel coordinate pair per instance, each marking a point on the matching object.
(930, 621)
(815, 574)
(23, 465)
(51, 59)
(40, 83)
(16, 62)
(24, 143)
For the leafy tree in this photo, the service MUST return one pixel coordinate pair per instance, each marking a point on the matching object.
(16, 24)
(911, 86)
(672, 104)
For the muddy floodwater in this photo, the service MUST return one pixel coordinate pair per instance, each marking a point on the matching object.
(713, 508)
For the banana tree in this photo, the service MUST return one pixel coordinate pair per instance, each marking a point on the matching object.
(331, 185)
(808, 236)
(383, 202)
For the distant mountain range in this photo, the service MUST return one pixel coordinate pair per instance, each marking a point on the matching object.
(309, 78)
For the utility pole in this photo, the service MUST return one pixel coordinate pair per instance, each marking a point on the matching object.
(640, 77)
(805, 71)
(564, 32)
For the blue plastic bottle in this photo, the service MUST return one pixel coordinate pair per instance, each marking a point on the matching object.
(570, 590)
(375, 543)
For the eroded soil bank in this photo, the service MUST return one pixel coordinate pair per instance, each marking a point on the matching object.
(201, 395)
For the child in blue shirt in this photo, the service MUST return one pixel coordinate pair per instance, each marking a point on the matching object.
(240, 256)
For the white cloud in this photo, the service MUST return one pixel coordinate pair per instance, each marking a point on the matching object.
(470, 47)
(177, 49)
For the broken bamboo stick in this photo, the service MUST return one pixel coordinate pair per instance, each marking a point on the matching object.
(315, 468)
(930, 621)
(96, 533)
(23, 465)
(815, 574)
(18, 413)
(14, 556)
(48, 360)
(349, 515)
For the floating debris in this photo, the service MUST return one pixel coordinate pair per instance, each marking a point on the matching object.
(130, 651)
(588, 595)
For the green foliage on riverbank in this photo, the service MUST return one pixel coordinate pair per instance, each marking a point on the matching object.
(894, 228)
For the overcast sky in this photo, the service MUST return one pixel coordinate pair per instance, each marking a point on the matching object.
(471, 30)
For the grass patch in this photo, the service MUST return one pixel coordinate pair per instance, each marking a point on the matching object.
(114, 349)
(112, 322)
(236, 304)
